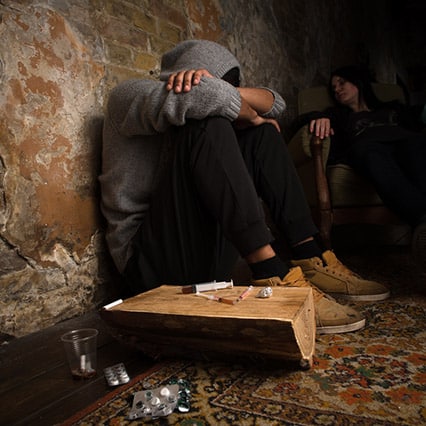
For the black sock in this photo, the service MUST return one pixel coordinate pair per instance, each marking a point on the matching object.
(272, 267)
(306, 250)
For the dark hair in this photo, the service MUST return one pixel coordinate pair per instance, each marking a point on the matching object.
(233, 77)
(360, 77)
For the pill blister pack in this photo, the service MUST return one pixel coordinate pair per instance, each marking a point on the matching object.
(152, 403)
(116, 375)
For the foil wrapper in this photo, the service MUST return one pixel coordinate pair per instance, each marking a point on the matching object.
(264, 293)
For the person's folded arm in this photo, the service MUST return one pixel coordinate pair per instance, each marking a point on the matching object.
(262, 101)
(249, 117)
(266, 102)
(144, 107)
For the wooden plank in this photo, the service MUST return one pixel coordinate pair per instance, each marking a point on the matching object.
(55, 396)
(166, 320)
(36, 386)
(38, 352)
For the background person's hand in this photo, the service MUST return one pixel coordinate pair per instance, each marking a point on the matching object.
(321, 127)
(183, 81)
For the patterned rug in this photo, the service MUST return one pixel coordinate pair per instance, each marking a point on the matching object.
(376, 376)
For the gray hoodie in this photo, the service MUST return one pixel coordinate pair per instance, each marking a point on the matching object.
(137, 115)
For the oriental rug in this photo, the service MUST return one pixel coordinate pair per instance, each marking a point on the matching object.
(376, 376)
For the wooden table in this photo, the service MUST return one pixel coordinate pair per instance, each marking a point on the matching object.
(164, 321)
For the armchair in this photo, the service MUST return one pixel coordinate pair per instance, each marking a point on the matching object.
(336, 194)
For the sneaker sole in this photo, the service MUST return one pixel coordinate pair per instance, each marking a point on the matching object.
(335, 329)
(362, 297)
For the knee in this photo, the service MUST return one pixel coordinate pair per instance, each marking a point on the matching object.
(215, 124)
(204, 124)
(265, 136)
(271, 130)
(199, 132)
(212, 134)
(212, 129)
(265, 131)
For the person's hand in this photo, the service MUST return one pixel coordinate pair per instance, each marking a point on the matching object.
(249, 117)
(183, 81)
(262, 120)
(321, 127)
(256, 121)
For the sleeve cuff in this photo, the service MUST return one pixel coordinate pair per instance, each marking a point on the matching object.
(234, 106)
(278, 107)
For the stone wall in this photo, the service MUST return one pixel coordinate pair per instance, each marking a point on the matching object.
(58, 61)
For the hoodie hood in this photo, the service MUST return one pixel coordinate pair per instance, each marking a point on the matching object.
(196, 54)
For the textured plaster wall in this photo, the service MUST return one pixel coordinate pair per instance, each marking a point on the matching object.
(58, 60)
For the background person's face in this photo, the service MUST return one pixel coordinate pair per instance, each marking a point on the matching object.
(344, 91)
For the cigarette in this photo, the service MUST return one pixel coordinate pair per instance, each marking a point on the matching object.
(117, 302)
(244, 294)
(216, 298)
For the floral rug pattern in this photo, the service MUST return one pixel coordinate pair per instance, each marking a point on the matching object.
(376, 376)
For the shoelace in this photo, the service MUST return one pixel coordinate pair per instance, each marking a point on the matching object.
(296, 281)
(337, 268)
(301, 281)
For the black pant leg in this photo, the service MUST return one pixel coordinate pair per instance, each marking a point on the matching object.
(204, 206)
(277, 183)
(386, 165)
(411, 155)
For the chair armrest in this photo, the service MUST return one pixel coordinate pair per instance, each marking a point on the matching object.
(323, 192)
(320, 174)
(310, 156)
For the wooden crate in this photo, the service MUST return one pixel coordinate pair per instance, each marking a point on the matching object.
(165, 321)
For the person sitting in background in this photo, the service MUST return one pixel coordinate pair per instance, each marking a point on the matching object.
(380, 141)
(185, 162)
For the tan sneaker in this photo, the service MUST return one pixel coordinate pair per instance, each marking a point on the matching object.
(331, 317)
(332, 277)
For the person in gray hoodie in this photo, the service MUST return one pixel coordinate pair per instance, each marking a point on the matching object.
(187, 162)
